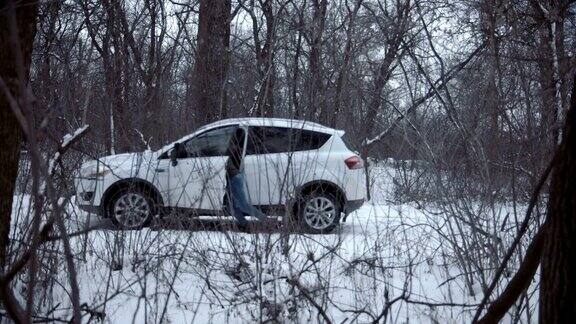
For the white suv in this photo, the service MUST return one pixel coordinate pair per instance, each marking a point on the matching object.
(292, 168)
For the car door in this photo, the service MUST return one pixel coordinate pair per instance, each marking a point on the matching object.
(266, 165)
(278, 160)
(161, 176)
(198, 180)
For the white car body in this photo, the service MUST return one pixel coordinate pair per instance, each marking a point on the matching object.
(198, 183)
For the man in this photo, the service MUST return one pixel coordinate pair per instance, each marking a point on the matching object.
(240, 207)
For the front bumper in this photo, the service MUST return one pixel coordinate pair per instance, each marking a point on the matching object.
(91, 209)
(88, 194)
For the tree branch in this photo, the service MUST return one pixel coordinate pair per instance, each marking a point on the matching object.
(519, 282)
(521, 231)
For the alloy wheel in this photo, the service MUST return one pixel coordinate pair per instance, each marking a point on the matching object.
(131, 210)
(319, 213)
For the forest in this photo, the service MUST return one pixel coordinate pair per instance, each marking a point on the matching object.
(463, 113)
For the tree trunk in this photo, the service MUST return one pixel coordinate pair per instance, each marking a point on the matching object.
(296, 107)
(387, 66)
(492, 101)
(209, 80)
(547, 52)
(342, 79)
(266, 68)
(316, 97)
(558, 265)
(265, 53)
(117, 78)
(25, 15)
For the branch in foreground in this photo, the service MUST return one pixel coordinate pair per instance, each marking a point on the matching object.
(6, 293)
(67, 142)
(521, 232)
(296, 283)
(519, 282)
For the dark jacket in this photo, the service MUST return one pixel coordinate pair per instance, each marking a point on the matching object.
(234, 153)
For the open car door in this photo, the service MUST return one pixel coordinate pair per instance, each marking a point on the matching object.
(198, 180)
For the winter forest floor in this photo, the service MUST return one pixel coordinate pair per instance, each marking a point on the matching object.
(392, 262)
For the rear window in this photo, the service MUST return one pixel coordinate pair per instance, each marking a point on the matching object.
(309, 140)
(267, 140)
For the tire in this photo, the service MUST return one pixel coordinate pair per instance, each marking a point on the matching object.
(318, 213)
(131, 208)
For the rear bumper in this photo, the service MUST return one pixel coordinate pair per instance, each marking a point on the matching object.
(353, 205)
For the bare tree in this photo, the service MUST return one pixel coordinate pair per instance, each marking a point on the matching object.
(17, 30)
(558, 288)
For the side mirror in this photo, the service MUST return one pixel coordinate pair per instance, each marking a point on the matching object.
(175, 153)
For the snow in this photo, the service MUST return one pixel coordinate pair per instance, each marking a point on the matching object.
(202, 274)
(70, 137)
(66, 141)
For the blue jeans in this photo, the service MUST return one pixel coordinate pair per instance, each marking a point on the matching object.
(239, 201)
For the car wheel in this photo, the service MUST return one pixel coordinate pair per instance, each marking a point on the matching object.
(131, 208)
(319, 213)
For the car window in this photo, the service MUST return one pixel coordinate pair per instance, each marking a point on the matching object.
(305, 140)
(211, 143)
(267, 140)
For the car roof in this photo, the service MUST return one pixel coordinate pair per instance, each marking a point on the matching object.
(261, 121)
(273, 122)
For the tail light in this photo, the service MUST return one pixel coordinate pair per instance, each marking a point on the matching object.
(354, 163)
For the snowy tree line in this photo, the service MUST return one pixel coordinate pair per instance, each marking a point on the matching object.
(482, 80)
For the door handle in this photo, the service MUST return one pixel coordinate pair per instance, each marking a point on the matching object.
(158, 170)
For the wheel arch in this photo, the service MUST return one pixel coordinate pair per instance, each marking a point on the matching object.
(321, 186)
(127, 183)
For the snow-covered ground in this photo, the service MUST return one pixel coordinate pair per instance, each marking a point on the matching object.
(388, 261)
